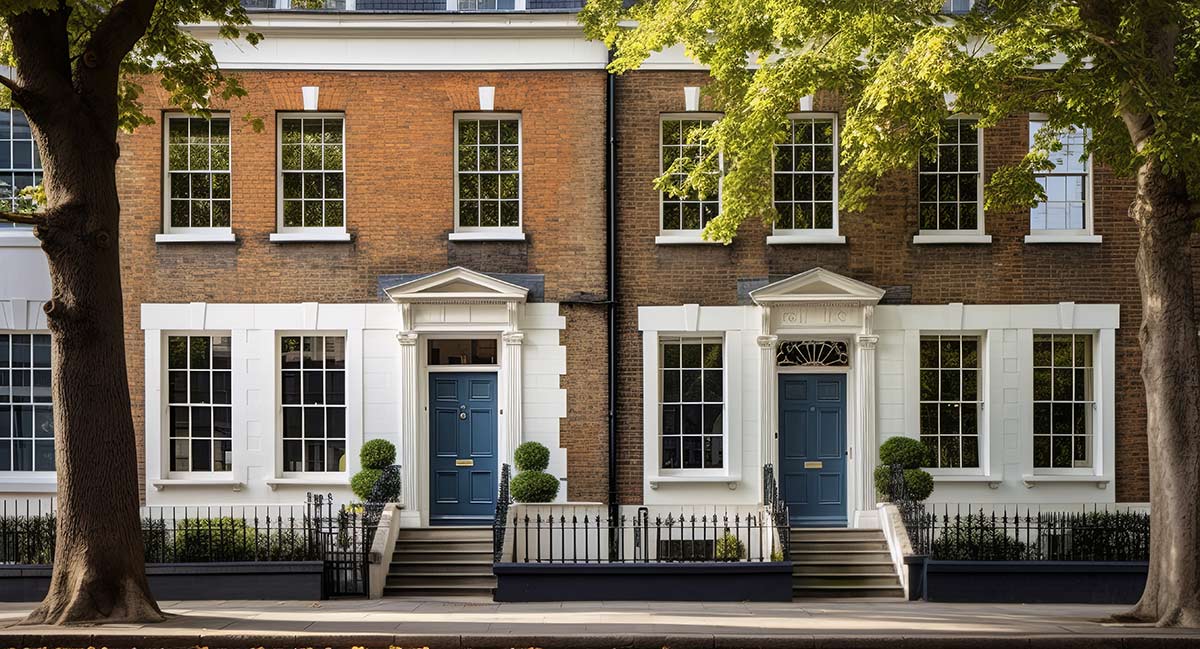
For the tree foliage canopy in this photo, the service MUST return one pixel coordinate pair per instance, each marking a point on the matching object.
(902, 66)
(85, 33)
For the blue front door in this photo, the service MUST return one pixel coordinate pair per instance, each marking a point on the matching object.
(462, 448)
(812, 448)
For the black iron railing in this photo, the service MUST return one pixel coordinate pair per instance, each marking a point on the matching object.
(343, 536)
(1028, 533)
(206, 534)
(776, 508)
(498, 523)
(317, 530)
(672, 537)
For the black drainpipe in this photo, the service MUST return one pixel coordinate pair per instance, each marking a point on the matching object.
(610, 163)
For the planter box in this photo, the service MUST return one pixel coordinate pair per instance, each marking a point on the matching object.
(663, 582)
(1049, 582)
(240, 580)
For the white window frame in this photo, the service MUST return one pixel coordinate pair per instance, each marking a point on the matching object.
(31, 475)
(685, 236)
(166, 405)
(346, 407)
(13, 234)
(813, 235)
(982, 392)
(664, 339)
(211, 234)
(957, 236)
(1098, 394)
(501, 232)
(1084, 235)
(285, 234)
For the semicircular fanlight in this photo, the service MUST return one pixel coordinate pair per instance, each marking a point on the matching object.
(812, 353)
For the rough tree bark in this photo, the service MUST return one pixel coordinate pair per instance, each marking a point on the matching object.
(99, 570)
(1171, 373)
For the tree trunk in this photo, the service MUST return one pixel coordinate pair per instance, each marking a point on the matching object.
(1171, 373)
(99, 567)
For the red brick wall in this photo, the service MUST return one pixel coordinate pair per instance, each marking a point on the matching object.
(399, 208)
(879, 251)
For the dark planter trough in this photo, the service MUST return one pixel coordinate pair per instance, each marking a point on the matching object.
(663, 582)
(1029, 582)
(238, 580)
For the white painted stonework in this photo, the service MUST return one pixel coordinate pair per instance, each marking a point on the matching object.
(882, 390)
(386, 383)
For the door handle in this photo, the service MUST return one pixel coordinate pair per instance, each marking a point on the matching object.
(462, 412)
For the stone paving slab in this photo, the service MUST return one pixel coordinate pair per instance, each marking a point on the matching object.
(475, 623)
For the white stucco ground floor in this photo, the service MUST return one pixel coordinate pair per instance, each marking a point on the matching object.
(1014, 402)
(263, 403)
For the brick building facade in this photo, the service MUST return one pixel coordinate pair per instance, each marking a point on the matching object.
(371, 299)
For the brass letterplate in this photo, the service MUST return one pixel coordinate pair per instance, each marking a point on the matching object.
(814, 465)
(464, 463)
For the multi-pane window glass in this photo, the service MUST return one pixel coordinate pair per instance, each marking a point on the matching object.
(489, 173)
(691, 212)
(26, 416)
(956, 6)
(199, 394)
(949, 180)
(1065, 207)
(312, 164)
(1062, 400)
(486, 5)
(692, 404)
(198, 172)
(805, 175)
(314, 402)
(950, 400)
(20, 163)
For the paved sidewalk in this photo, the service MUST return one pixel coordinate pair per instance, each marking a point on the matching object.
(479, 623)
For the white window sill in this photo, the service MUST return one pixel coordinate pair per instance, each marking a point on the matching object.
(487, 236)
(959, 478)
(1033, 480)
(46, 484)
(159, 485)
(196, 237)
(1063, 238)
(310, 237)
(732, 481)
(683, 240)
(336, 480)
(788, 239)
(948, 239)
(18, 238)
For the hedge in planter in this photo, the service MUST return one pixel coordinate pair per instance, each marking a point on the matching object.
(533, 484)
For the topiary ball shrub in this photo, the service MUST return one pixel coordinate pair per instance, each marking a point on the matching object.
(534, 487)
(918, 484)
(364, 481)
(531, 456)
(377, 454)
(905, 451)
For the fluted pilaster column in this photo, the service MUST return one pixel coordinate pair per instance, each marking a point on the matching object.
(865, 399)
(767, 408)
(514, 380)
(410, 417)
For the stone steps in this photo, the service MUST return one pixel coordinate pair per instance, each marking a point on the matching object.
(838, 563)
(441, 561)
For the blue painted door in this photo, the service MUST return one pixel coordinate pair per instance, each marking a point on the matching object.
(812, 448)
(462, 448)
